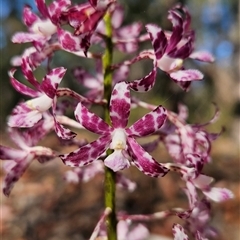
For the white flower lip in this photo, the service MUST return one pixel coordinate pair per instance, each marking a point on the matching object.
(169, 64)
(118, 139)
(42, 103)
(44, 27)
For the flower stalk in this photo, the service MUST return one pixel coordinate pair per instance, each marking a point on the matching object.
(110, 176)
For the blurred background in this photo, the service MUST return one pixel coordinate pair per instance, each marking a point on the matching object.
(29, 214)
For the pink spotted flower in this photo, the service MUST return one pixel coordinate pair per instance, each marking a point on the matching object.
(30, 112)
(44, 28)
(46, 34)
(118, 137)
(41, 31)
(41, 28)
(170, 49)
(44, 97)
(16, 161)
(84, 18)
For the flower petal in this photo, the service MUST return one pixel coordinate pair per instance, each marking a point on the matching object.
(28, 72)
(35, 55)
(31, 136)
(8, 153)
(185, 50)
(91, 121)
(144, 161)
(21, 87)
(182, 112)
(146, 54)
(43, 154)
(179, 233)
(52, 80)
(120, 104)
(173, 145)
(73, 176)
(86, 79)
(88, 153)
(68, 92)
(146, 83)
(22, 37)
(99, 226)
(56, 8)
(122, 229)
(191, 194)
(130, 31)
(42, 7)
(117, 16)
(92, 170)
(120, 74)
(219, 194)
(149, 123)
(100, 4)
(186, 75)
(73, 43)
(23, 116)
(194, 160)
(19, 137)
(175, 17)
(158, 38)
(63, 132)
(28, 16)
(125, 183)
(202, 56)
(138, 232)
(202, 181)
(174, 39)
(15, 173)
(126, 38)
(116, 161)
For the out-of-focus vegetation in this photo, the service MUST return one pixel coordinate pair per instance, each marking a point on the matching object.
(216, 27)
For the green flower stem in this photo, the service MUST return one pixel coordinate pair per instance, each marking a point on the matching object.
(110, 176)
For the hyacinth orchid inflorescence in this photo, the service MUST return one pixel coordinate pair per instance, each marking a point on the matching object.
(170, 49)
(64, 26)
